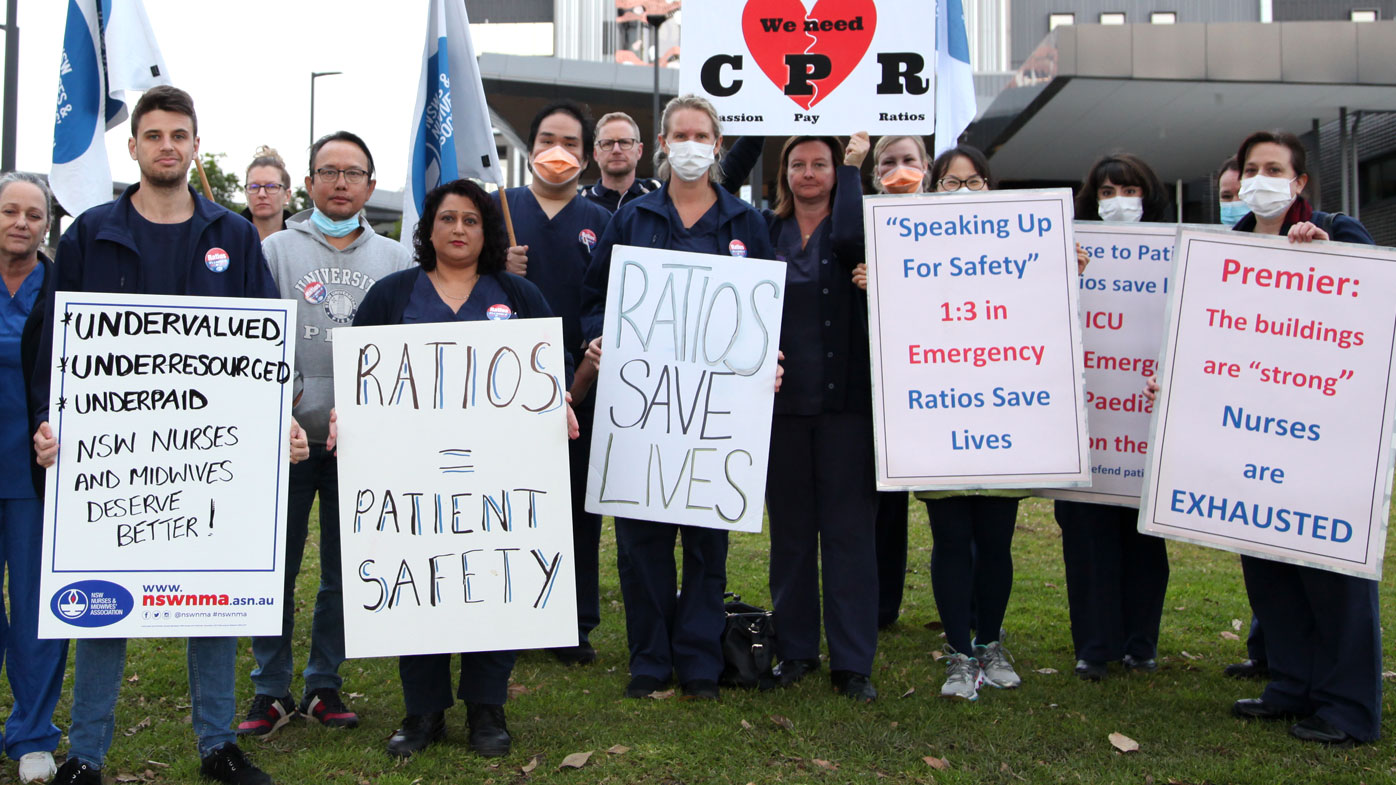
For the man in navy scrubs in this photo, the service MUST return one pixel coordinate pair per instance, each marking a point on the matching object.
(556, 231)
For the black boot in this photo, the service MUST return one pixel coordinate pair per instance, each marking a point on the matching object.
(418, 732)
(489, 736)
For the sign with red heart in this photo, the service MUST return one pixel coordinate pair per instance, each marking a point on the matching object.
(813, 66)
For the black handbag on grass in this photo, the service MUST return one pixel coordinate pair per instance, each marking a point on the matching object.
(748, 645)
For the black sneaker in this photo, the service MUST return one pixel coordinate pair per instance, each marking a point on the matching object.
(489, 736)
(418, 732)
(701, 689)
(228, 764)
(267, 715)
(581, 654)
(853, 685)
(75, 772)
(325, 707)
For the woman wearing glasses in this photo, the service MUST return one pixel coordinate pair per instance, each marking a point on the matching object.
(268, 187)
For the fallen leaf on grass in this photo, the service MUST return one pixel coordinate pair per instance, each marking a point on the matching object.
(532, 764)
(1190, 656)
(353, 695)
(575, 761)
(135, 677)
(935, 625)
(659, 696)
(127, 778)
(1181, 608)
(937, 655)
(515, 690)
(939, 764)
(1123, 743)
(158, 763)
(894, 723)
(783, 722)
(1046, 671)
(138, 727)
(746, 725)
(824, 764)
(1388, 674)
(910, 691)
(1236, 624)
(619, 749)
(1230, 636)
(1050, 585)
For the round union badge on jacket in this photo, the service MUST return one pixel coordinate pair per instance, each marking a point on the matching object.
(498, 312)
(737, 248)
(588, 238)
(315, 293)
(216, 260)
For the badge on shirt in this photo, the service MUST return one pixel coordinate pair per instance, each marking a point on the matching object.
(588, 238)
(737, 248)
(315, 293)
(216, 260)
(498, 312)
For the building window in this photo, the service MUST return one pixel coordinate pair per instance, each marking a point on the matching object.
(1112, 18)
(1163, 18)
(1057, 20)
(1365, 15)
(1376, 180)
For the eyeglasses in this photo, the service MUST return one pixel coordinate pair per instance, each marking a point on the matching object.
(953, 183)
(272, 189)
(625, 144)
(328, 175)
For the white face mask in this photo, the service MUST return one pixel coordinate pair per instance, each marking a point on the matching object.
(1127, 209)
(691, 160)
(1268, 197)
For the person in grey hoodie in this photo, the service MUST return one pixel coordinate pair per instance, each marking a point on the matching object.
(326, 260)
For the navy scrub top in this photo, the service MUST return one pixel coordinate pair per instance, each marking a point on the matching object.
(425, 306)
(15, 479)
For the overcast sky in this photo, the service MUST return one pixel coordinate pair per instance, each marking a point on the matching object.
(247, 63)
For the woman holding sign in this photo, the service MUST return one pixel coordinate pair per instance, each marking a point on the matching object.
(673, 636)
(460, 250)
(1322, 629)
(35, 667)
(1116, 577)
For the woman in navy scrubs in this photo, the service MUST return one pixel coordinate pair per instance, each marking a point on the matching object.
(1116, 578)
(35, 667)
(460, 249)
(1322, 629)
(675, 636)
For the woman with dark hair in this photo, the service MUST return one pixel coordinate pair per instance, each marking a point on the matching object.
(460, 250)
(820, 489)
(1322, 629)
(1116, 578)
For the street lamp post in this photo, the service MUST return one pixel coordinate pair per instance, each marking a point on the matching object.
(11, 111)
(655, 21)
(313, 76)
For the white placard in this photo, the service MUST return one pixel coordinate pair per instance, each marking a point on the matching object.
(976, 350)
(1123, 294)
(455, 511)
(1272, 433)
(687, 382)
(165, 513)
(777, 67)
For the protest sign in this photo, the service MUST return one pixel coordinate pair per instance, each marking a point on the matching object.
(1123, 293)
(1272, 430)
(777, 67)
(164, 514)
(455, 508)
(685, 390)
(976, 350)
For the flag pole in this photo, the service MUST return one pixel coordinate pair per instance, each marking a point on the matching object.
(203, 178)
(508, 222)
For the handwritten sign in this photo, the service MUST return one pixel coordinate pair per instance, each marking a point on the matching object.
(164, 514)
(1272, 435)
(684, 395)
(1123, 294)
(976, 349)
(455, 509)
(779, 67)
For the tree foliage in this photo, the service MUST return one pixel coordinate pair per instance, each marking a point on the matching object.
(226, 186)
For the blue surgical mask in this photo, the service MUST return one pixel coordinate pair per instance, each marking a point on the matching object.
(334, 228)
(1231, 212)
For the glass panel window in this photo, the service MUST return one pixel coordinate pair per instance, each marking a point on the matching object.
(1057, 20)
(1364, 15)
(1112, 18)
(1163, 18)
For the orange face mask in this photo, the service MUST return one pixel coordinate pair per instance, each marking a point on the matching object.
(557, 166)
(902, 180)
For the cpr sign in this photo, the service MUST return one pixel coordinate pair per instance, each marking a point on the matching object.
(775, 67)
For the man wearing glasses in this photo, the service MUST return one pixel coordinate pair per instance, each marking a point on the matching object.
(618, 149)
(326, 260)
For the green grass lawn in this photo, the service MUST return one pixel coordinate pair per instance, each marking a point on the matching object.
(1054, 729)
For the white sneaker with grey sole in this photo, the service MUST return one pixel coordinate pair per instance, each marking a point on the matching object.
(37, 767)
(963, 676)
(998, 666)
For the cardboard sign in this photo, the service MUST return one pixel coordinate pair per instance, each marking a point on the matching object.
(164, 514)
(685, 390)
(1272, 435)
(976, 350)
(778, 67)
(455, 507)
(1123, 294)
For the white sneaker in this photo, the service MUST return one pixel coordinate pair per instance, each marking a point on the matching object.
(998, 666)
(963, 676)
(37, 767)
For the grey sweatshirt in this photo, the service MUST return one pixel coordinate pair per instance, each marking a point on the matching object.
(328, 284)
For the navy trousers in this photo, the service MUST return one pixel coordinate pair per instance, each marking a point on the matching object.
(972, 565)
(426, 680)
(586, 532)
(1116, 579)
(891, 555)
(822, 503)
(1323, 638)
(671, 632)
(1255, 641)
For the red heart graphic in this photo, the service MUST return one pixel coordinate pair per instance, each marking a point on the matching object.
(776, 28)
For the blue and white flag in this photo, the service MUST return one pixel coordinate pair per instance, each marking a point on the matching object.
(442, 148)
(108, 48)
(955, 105)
